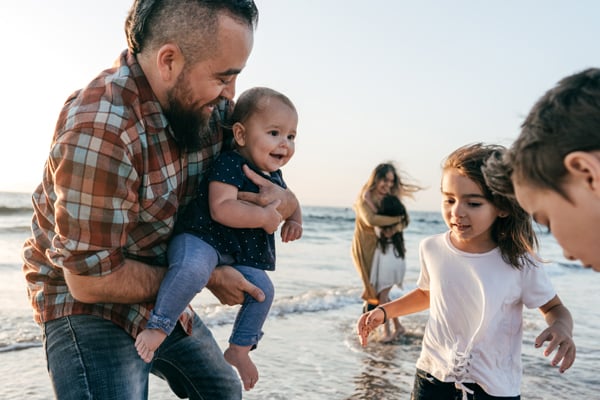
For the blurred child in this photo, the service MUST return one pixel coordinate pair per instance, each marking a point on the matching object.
(220, 229)
(475, 279)
(554, 165)
(389, 265)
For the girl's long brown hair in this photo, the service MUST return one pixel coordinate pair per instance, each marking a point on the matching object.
(514, 233)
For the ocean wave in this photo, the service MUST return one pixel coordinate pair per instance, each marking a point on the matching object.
(19, 346)
(217, 315)
(570, 265)
(309, 302)
(328, 215)
(5, 210)
(16, 229)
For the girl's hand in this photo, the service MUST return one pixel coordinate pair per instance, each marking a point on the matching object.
(559, 333)
(291, 230)
(367, 324)
(560, 340)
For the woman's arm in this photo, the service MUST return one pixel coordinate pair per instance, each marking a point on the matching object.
(559, 333)
(367, 214)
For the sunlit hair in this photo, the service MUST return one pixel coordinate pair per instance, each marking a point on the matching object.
(399, 188)
(393, 207)
(255, 100)
(565, 119)
(514, 233)
(190, 24)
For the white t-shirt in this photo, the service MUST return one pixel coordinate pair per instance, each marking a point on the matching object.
(475, 326)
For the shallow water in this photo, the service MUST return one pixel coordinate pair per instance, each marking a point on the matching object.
(309, 350)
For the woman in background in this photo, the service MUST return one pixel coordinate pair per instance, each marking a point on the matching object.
(384, 180)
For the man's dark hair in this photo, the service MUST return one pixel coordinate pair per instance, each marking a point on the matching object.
(190, 24)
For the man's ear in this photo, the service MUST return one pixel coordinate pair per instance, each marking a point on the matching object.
(169, 62)
(239, 134)
(584, 165)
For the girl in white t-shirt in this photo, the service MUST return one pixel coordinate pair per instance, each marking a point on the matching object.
(389, 265)
(475, 279)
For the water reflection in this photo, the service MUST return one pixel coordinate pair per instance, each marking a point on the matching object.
(388, 369)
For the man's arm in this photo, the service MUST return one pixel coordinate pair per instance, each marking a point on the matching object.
(136, 282)
(132, 282)
(268, 193)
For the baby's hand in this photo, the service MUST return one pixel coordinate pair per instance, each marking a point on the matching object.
(367, 323)
(561, 340)
(291, 230)
(272, 218)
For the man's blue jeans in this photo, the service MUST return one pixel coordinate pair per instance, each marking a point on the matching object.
(92, 358)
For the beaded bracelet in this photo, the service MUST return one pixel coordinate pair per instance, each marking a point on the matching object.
(384, 313)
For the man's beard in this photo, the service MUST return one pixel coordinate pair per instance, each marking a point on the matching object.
(190, 128)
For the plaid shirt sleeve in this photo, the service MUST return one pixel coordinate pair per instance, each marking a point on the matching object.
(114, 181)
(96, 206)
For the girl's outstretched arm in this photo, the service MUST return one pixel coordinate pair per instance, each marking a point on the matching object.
(559, 333)
(412, 302)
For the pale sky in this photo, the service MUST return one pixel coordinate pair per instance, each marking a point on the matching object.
(373, 81)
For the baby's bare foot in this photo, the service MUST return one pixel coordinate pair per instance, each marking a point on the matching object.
(147, 342)
(239, 357)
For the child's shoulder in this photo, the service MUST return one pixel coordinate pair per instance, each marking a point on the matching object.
(229, 155)
(228, 159)
(433, 240)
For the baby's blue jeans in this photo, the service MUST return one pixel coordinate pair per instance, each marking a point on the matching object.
(191, 261)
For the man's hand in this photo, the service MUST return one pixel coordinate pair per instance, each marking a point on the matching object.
(229, 285)
(272, 218)
(268, 193)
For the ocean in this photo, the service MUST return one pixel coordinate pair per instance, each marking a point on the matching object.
(310, 350)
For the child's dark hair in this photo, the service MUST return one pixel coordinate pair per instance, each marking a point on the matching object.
(393, 207)
(253, 100)
(248, 103)
(514, 233)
